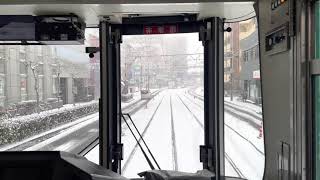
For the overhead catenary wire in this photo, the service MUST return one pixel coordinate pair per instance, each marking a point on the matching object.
(241, 16)
(240, 20)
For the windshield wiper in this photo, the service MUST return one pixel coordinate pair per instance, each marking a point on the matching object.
(138, 141)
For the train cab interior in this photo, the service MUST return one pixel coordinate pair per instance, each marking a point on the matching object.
(159, 89)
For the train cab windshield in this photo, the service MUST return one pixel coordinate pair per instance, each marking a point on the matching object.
(148, 87)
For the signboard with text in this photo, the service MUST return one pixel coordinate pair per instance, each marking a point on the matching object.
(256, 74)
(163, 29)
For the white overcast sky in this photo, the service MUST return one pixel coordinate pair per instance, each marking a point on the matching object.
(76, 53)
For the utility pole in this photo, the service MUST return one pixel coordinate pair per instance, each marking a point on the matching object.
(140, 83)
(231, 85)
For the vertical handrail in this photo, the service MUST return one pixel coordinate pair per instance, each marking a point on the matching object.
(144, 153)
(126, 114)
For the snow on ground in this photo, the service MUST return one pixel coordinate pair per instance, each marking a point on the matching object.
(136, 97)
(140, 119)
(246, 130)
(93, 155)
(58, 128)
(157, 138)
(66, 107)
(245, 105)
(243, 149)
(244, 155)
(248, 116)
(199, 91)
(189, 136)
(47, 143)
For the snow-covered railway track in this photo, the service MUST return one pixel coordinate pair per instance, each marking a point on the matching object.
(135, 107)
(136, 146)
(230, 161)
(250, 117)
(232, 129)
(173, 139)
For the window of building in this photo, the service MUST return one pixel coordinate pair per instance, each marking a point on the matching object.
(54, 71)
(2, 66)
(2, 90)
(227, 63)
(226, 77)
(55, 85)
(2, 85)
(40, 69)
(23, 68)
(2, 52)
(2, 75)
(22, 53)
(245, 56)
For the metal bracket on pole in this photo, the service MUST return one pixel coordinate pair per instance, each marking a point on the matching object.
(117, 152)
(206, 155)
(204, 32)
(315, 67)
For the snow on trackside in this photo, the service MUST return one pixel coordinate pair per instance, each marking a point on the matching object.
(251, 144)
(242, 142)
(66, 107)
(245, 105)
(67, 125)
(87, 120)
(244, 155)
(246, 130)
(93, 155)
(136, 98)
(199, 91)
(141, 119)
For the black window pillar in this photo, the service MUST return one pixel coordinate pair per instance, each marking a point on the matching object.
(212, 154)
(110, 104)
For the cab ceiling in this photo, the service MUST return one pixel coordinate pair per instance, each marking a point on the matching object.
(91, 13)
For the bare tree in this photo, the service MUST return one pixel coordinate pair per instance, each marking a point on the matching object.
(58, 72)
(34, 67)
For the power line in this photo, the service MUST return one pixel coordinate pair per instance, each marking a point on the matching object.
(168, 55)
